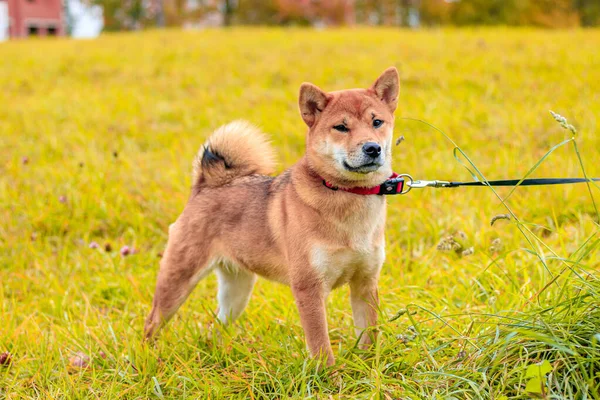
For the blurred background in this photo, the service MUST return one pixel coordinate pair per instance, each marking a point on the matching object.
(81, 18)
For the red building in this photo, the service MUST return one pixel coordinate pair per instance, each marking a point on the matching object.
(35, 17)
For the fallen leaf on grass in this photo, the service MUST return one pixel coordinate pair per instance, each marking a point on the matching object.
(537, 372)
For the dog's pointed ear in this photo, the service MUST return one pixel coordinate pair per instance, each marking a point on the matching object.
(386, 88)
(312, 101)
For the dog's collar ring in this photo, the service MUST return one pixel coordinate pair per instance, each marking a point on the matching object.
(408, 180)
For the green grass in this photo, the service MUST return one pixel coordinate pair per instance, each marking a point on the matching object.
(113, 124)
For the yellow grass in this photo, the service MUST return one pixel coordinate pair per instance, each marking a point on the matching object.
(109, 129)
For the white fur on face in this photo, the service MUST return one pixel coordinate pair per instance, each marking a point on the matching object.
(338, 154)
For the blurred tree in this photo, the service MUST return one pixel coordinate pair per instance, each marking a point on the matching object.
(387, 12)
(68, 18)
(119, 15)
(295, 12)
(335, 12)
(550, 14)
(403, 12)
(227, 12)
(253, 12)
(589, 12)
(545, 13)
(435, 12)
(482, 12)
(368, 12)
(175, 12)
(160, 13)
(328, 12)
(136, 14)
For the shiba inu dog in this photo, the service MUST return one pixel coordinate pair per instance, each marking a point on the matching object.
(313, 227)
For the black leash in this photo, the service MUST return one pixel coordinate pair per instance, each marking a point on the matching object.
(525, 182)
(405, 183)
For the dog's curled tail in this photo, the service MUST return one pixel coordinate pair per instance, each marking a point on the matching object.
(233, 150)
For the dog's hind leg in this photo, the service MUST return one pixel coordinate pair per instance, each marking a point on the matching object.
(235, 288)
(184, 264)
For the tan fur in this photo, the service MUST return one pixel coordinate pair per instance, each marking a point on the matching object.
(245, 148)
(291, 228)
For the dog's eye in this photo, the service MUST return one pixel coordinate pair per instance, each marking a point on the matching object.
(377, 123)
(341, 128)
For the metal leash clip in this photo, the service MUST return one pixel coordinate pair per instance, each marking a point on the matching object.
(422, 184)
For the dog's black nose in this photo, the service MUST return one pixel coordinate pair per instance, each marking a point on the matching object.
(372, 149)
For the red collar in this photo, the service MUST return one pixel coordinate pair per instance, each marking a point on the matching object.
(393, 185)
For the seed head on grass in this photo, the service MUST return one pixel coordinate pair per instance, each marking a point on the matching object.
(448, 244)
(496, 246)
(405, 338)
(467, 252)
(563, 122)
(457, 242)
(499, 216)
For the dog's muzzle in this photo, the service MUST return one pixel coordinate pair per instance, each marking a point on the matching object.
(366, 166)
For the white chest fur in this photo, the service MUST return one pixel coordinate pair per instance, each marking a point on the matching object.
(337, 266)
(362, 252)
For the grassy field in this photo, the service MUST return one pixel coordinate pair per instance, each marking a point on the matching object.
(97, 139)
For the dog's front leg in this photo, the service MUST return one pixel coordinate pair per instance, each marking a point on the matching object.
(310, 300)
(365, 303)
